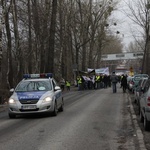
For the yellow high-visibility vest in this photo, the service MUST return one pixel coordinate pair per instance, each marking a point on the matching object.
(79, 80)
(67, 83)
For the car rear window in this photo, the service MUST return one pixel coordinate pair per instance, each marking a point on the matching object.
(140, 76)
(137, 78)
(145, 76)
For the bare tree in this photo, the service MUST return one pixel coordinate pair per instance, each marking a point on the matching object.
(51, 36)
(17, 41)
(6, 9)
(140, 16)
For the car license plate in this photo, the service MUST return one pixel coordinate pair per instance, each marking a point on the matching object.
(29, 107)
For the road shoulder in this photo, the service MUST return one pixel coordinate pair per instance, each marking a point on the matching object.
(139, 133)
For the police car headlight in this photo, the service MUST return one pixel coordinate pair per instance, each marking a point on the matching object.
(11, 101)
(47, 99)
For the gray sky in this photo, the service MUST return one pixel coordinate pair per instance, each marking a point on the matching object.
(124, 25)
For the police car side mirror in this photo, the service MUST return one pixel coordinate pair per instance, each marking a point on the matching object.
(12, 90)
(57, 88)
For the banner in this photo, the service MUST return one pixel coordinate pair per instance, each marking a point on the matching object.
(102, 71)
(86, 78)
(90, 70)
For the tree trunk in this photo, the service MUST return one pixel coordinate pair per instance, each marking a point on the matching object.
(36, 24)
(30, 53)
(9, 48)
(50, 58)
(17, 43)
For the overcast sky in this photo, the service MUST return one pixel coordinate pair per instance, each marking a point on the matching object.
(124, 24)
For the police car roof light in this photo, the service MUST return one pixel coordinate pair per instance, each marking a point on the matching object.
(26, 76)
(46, 75)
(35, 75)
(42, 75)
(49, 75)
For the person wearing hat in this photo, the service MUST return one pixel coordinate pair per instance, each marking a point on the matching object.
(114, 80)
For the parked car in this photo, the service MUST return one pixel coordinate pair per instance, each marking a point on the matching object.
(139, 91)
(136, 79)
(145, 105)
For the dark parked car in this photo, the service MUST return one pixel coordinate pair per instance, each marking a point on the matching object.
(139, 91)
(136, 79)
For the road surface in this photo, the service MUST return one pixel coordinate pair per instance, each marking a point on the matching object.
(92, 120)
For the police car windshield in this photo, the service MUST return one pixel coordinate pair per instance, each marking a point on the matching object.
(27, 86)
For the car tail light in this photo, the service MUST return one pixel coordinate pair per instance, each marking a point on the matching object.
(148, 101)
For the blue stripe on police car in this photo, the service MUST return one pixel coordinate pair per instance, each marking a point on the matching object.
(30, 95)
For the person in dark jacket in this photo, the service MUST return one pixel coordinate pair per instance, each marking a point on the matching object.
(124, 83)
(109, 81)
(62, 84)
(105, 80)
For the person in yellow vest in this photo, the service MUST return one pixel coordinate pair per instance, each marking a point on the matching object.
(68, 85)
(97, 80)
(79, 81)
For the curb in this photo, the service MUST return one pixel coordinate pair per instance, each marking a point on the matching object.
(138, 130)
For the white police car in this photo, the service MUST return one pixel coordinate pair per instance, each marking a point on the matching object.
(36, 93)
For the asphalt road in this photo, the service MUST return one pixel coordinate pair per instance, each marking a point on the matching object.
(92, 120)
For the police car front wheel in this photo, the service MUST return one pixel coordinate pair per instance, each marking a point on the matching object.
(55, 111)
(12, 116)
(61, 109)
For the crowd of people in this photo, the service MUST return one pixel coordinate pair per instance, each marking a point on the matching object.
(93, 82)
(88, 82)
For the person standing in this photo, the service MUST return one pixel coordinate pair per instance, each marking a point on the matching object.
(124, 83)
(97, 80)
(105, 80)
(114, 80)
(109, 81)
(68, 85)
(62, 84)
(79, 81)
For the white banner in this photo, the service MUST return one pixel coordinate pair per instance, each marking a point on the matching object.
(86, 78)
(89, 70)
(102, 71)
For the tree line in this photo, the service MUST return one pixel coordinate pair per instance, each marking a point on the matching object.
(58, 36)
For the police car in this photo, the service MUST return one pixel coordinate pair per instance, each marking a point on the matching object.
(36, 94)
